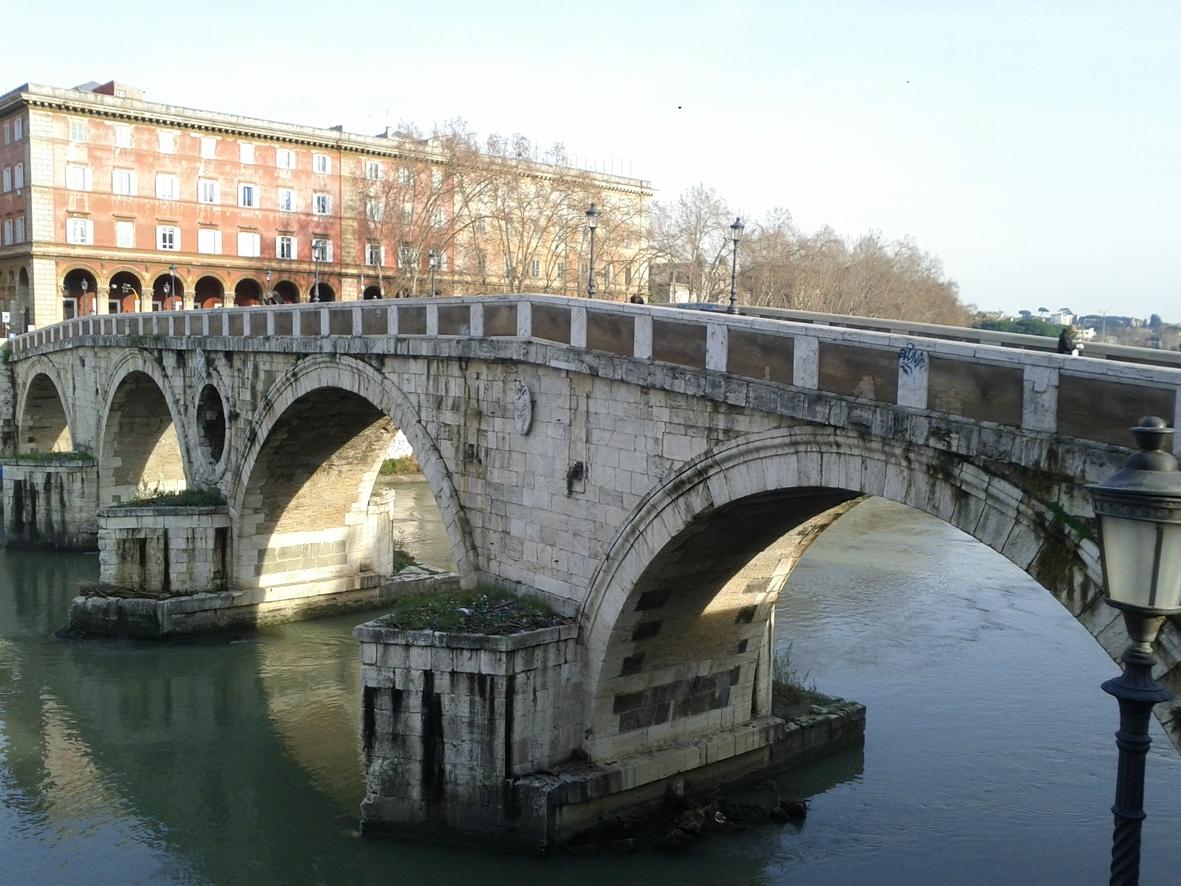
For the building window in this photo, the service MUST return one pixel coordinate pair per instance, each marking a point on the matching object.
(405, 255)
(7, 230)
(122, 135)
(321, 163)
(20, 229)
(79, 231)
(373, 254)
(437, 217)
(77, 177)
(405, 176)
(248, 196)
(374, 211)
(77, 130)
(18, 129)
(125, 234)
(249, 244)
(167, 186)
(436, 178)
(627, 276)
(18, 176)
(207, 191)
(6, 185)
(285, 246)
(535, 268)
(208, 148)
(372, 170)
(123, 182)
(286, 200)
(321, 203)
(246, 153)
(168, 237)
(321, 249)
(284, 158)
(209, 241)
(167, 139)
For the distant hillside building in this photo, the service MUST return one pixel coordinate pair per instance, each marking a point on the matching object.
(109, 203)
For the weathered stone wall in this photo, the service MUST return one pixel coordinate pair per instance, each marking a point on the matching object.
(450, 719)
(52, 505)
(8, 423)
(164, 551)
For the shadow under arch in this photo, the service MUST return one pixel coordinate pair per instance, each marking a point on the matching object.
(777, 483)
(44, 419)
(141, 438)
(341, 375)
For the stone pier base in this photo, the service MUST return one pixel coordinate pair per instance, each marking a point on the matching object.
(476, 739)
(50, 504)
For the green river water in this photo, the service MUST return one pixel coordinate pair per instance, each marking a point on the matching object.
(989, 755)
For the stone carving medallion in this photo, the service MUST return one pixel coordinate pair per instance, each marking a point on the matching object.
(522, 406)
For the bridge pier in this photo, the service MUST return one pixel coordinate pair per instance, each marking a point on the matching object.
(50, 501)
(476, 739)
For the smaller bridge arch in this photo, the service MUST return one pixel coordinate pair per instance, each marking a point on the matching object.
(140, 440)
(298, 469)
(44, 423)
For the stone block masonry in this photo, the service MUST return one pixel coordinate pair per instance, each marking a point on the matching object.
(164, 551)
(50, 504)
(450, 719)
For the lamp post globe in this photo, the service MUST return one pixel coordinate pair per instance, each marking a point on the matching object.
(1138, 511)
(735, 236)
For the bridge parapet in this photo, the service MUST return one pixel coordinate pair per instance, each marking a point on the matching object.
(1087, 399)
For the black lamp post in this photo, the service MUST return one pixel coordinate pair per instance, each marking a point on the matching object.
(1139, 515)
(432, 263)
(592, 222)
(172, 282)
(269, 298)
(735, 236)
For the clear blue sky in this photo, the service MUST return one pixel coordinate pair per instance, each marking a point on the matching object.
(1035, 147)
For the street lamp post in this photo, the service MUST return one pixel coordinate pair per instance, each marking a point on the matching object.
(432, 263)
(172, 280)
(269, 298)
(592, 222)
(167, 288)
(735, 236)
(1139, 516)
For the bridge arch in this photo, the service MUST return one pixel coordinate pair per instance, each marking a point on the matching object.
(45, 423)
(703, 556)
(141, 436)
(367, 411)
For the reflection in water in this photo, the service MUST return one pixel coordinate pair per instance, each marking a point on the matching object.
(988, 757)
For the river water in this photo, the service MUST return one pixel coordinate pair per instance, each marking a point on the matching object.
(988, 758)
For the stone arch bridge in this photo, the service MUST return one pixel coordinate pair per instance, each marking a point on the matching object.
(654, 473)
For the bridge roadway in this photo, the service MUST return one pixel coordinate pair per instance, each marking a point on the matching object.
(654, 473)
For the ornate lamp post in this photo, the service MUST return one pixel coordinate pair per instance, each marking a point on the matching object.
(269, 297)
(432, 263)
(172, 281)
(735, 236)
(316, 258)
(1139, 515)
(167, 290)
(592, 222)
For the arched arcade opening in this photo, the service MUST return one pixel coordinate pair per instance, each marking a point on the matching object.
(247, 293)
(79, 292)
(125, 291)
(286, 292)
(208, 293)
(321, 291)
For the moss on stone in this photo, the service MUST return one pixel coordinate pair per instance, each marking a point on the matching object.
(482, 611)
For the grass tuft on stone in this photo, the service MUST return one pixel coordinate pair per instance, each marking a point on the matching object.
(407, 464)
(482, 611)
(185, 498)
(53, 458)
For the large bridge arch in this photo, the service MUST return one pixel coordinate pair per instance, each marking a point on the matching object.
(141, 434)
(784, 486)
(44, 413)
(372, 397)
